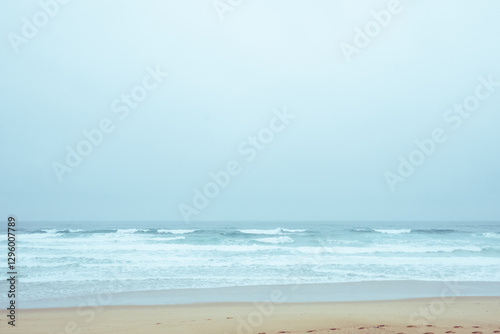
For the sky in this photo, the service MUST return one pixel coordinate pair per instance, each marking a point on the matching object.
(304, 110)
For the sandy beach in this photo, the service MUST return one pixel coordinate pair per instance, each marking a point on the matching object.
(460, 315)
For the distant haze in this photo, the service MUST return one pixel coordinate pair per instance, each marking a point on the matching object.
(353, 120)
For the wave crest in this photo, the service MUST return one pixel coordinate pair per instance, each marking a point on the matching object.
(277, 240)
(175, 231)
(275, 231)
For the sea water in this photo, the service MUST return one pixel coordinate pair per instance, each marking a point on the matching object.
(67, 259)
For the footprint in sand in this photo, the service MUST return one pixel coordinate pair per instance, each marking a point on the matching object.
(410, 326)
(361, 327)
(312, 330)
(450, 332)
(401, 333)
(429, 325)
(231, 318)
(334, 329)
(428, 333)
(477, 332)
(496, 331)
(457, 327)
(476, 327)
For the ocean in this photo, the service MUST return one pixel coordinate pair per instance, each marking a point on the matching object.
(69, 259)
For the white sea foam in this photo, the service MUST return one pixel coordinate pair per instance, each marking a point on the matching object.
(130, 230)
(274, 244)
(55, 232)
(271, 232)
(276, 240)
(292, 231)
(38, 236)
(60, 262)
(134, 245)
(402, 231)
(175, 231)
(389, 249)
(52, 231)
(491, 235)
(174, 238)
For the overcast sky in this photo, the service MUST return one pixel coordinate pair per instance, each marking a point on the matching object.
(352, 118)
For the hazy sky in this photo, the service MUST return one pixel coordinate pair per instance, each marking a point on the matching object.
(352, 119)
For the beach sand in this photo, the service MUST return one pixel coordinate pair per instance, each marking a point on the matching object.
(461, 315)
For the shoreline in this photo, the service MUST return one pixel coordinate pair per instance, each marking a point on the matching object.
(462, 315)
(290, 293)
